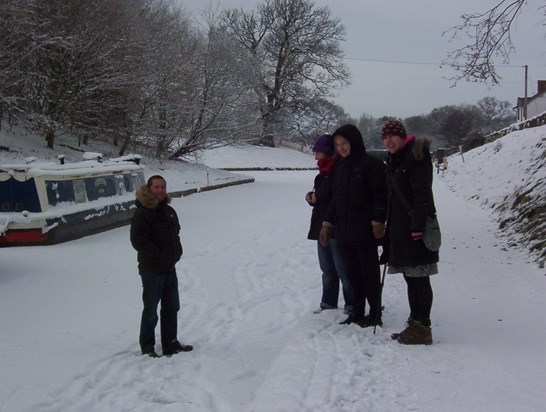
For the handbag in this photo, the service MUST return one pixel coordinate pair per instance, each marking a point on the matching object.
(432, 236)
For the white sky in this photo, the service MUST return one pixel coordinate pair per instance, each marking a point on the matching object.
(382, 31)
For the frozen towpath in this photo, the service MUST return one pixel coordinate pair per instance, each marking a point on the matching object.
(249, 282)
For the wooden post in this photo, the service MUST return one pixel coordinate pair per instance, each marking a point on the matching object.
(525, 98)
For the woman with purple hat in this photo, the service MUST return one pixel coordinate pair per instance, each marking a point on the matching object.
(331, 260)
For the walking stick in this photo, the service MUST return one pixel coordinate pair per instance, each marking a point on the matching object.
(381, 291)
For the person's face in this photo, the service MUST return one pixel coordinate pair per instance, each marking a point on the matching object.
(393, 143)
(159, 189)
(320, 156)
(343, 146)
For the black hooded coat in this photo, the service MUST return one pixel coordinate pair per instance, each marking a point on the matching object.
(360, 192)
(411, 169)
(155, 233)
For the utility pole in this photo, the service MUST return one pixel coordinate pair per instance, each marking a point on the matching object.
(525, 98)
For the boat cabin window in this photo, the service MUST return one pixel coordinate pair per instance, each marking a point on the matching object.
(18, 196)
(137, 180)
(88, 189)
(79, 191)
(128, 181)
(59, 191)
(102, 186)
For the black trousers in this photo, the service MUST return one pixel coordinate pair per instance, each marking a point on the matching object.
(159, 287)
(420, 298)
(365, 277)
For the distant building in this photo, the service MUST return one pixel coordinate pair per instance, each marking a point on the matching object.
(535, 104)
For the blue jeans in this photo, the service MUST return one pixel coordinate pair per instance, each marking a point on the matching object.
(334, 269)
(158, 287)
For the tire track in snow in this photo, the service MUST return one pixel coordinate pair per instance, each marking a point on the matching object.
(326, 367)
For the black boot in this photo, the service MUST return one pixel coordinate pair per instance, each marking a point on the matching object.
(150, 352)
(351, 319)
(176, 347)
(369, 321)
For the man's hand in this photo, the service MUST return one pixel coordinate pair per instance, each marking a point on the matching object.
(416, 235)
(325, 233)
(311, 198)
(378, 229)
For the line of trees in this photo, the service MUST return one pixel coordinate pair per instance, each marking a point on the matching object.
(448, 126)
(142, 71)
(145, 73)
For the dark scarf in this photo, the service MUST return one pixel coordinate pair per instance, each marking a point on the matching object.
(325, 166)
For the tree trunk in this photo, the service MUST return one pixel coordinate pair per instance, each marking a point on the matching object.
(125, 144)
(50, 137)
(267, 140)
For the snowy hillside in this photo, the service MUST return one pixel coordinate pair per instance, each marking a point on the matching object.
(508, 178)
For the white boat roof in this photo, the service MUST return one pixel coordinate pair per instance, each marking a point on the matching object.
(92, 166)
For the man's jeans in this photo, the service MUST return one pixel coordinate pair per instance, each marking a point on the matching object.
(333, 266)
(159, 287)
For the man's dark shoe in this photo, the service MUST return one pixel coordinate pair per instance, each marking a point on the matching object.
(176, 347)
(369, 321)
(351, 319)
(150, 352)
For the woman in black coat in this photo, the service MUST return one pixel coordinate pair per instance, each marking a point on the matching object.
(356, 217)
(411, 201)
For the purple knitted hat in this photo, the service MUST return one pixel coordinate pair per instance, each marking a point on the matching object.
(324, 144)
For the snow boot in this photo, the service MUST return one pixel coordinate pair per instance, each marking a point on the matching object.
(416, 334)
(150, 352)
(395, 336)
(352, 319)
(324, 306)
(176, 347)
(369, 321)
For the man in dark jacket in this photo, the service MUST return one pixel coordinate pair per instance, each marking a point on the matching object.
(155, 230)
(356, 217)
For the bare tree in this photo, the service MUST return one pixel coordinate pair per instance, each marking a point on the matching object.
(220, 109)
(318, 117)
(489, 34)
(497, 114)
(296, 50)
(57, 62)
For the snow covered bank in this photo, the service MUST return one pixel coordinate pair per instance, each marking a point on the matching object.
(508, 179)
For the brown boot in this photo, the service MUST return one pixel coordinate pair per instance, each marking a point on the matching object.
(395, 336)
(416, 334)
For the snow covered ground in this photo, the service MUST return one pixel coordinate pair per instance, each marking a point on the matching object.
(249, 282)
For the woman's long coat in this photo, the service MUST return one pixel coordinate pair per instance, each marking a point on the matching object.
(411, 168)
(360, 193)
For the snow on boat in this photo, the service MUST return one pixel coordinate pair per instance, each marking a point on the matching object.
(47, 203)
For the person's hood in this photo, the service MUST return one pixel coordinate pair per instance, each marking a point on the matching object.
(353, 135)
(145, 198)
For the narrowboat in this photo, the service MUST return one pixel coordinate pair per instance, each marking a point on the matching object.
(46, 202)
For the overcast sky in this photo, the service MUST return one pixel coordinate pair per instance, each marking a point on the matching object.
(394, 49)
